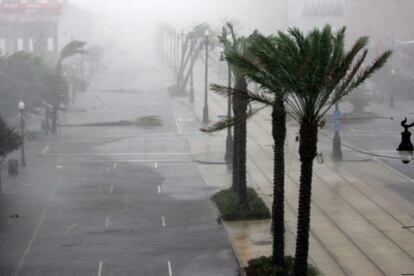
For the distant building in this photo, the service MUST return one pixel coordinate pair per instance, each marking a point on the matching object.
(308, 14)
(389, 24)
(41, 26)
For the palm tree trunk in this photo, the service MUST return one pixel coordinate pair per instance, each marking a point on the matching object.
(239, 171)
(236, 151)
(278, 206)
(307, 152)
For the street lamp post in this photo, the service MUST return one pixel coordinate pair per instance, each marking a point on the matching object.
(392, 101)
(191, 69)
(406, 147)
(229, 139)
(21, 107)
(336, 146)
(205, 109)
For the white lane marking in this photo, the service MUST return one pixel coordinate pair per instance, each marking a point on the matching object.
(169, 268)
(59, 167)
(115, 165)
(159, 189)
(34, 236)
(100, 268)
(72, 227)
(156, 165)
(108, 221)
(45, 150)
(121, 153)
(142, 160)
(111, 189)
(185, 120)
(178, 127)
(163, 221)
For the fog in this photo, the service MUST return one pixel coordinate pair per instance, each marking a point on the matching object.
(185, 137)
(133, 25)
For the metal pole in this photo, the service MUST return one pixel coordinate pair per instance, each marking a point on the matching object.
(205, 109)
(177, 51)
(192, 79)
(171, 48)
(228, 157)
(22, 157)
(174, 45)
(337, 144)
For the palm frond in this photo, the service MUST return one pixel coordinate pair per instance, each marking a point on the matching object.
(229, 122)
(72, 48)
(261, 97)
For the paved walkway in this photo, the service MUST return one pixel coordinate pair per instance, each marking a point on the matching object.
(357, 219)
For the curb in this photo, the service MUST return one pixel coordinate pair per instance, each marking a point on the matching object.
(211, 162)
(233, 247)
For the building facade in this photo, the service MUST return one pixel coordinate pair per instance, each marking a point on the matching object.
(40, 26)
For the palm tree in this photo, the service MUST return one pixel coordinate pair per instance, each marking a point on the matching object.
(240, 103)
(72, 48)
(317, 72)
(259, 66)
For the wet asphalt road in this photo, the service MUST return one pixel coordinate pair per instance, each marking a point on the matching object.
(114, 200)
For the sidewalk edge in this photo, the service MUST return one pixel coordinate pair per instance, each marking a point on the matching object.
(233, 246)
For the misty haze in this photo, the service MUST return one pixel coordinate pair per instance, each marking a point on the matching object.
(206, 138)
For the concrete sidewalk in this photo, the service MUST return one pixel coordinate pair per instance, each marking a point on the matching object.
(357, 218)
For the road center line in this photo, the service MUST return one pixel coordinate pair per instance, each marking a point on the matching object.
(178, 127)
(107, 222)
(156, 165)
(169, 268)
(185, 120)
(115, 165)
(34, 235)
(45, 149)
(163, 221)
(100, 268)
(159, 189)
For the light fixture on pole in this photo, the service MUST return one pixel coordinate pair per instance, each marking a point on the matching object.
(21, 107)
(406, 148)
(205, 109)
(191, 69)
(392, 101)
(222, 57)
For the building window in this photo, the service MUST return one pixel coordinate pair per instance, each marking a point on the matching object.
(20, 46)
(50, 44)
(31, 45)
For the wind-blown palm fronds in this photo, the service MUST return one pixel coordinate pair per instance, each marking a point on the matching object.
(240, 104)
(230, 122)
(317, 72)
(261, 65)
(72, 48)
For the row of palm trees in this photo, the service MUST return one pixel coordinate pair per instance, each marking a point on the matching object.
(301, 76)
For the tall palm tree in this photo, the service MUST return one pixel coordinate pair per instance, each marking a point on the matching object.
(259, 66)
(72, 48)
(317, 72)
(240, 103)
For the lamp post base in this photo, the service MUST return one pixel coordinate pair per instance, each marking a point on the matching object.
(205, 115)
(336, 148)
